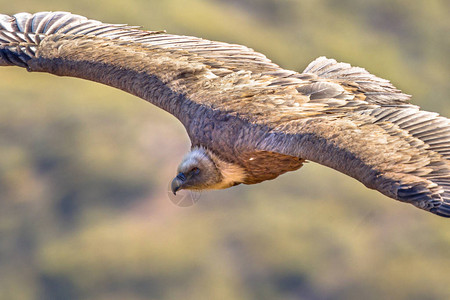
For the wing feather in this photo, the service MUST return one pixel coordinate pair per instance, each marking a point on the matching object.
(52, 23)
(402, 152)
(377, 90)
(169, 71)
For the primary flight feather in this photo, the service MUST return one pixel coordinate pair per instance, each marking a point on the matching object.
(248, 119)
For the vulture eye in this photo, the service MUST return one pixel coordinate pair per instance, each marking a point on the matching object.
(194, 171)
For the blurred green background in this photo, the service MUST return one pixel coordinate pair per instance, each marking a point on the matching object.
(84, 169)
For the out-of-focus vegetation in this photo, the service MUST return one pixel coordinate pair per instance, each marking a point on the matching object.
(84, 169)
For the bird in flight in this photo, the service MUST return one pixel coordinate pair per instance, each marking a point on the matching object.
(248, 119)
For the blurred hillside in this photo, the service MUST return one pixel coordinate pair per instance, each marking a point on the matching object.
(84, 168)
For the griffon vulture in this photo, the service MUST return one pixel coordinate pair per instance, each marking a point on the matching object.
(248, 119)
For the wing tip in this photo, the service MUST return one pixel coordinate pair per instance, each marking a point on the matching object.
(442, 210)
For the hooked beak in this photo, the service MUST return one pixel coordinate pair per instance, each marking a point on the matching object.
(178, 182)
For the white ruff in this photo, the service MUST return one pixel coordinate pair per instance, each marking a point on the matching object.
(231, 174)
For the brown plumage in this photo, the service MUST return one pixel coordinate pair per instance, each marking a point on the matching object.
(248, 119)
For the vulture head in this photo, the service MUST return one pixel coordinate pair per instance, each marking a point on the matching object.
(201, 169)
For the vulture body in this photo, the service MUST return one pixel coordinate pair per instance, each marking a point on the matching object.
(248, 119)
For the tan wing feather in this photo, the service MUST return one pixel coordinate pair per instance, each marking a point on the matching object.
(400, 151)
(376, 90)
(66, 24)
(170, 71)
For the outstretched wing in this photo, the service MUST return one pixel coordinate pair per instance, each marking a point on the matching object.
(167, 70)
(390, 146)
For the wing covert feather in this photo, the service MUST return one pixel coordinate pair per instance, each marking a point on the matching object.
(401, 152)
(44, 24)
(376, 90)
(171, 71)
